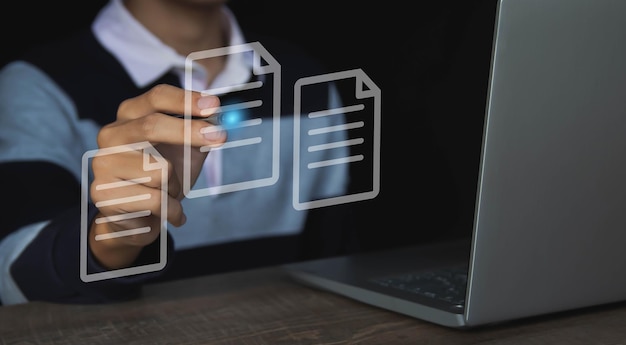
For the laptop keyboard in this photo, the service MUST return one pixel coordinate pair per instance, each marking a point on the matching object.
(447, 284)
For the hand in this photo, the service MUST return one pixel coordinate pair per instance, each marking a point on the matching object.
(139, 119)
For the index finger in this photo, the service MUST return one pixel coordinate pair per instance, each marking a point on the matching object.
(168, 99)
(160, 128)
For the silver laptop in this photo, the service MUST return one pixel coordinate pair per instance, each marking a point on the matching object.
(549, 225)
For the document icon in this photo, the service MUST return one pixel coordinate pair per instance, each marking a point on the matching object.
(152, 160)
(361, 136)
(250, 112)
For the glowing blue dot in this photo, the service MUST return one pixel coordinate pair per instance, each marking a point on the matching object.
(231, 118)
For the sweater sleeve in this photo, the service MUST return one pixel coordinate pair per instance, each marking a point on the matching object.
(42, 141)
(46, 266)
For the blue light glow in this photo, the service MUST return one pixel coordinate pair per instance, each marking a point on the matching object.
(231, 118)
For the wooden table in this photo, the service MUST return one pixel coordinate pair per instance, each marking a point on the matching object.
(264, 306)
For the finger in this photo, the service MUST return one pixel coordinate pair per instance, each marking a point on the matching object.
(160, 128)
(168, 99)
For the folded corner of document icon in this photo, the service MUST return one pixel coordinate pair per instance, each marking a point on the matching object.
(337, 141)
(152, 160)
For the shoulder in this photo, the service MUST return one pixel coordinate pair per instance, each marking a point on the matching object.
(24, 83)
(63, 52)
(20, 73)
(85, 71)
(74, 57)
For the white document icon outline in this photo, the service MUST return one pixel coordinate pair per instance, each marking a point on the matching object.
(364, 88)
(271, 69)
(152, 160)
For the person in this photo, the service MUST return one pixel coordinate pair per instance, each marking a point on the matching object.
(116, 84)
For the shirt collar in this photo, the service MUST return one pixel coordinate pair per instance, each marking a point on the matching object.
(131, 43)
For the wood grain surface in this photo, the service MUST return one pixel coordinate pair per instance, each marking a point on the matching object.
(266, 307)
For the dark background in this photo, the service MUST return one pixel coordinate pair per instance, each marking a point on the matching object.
(429, 58)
